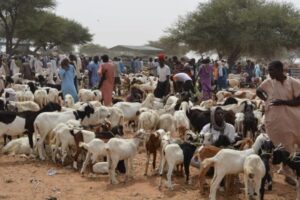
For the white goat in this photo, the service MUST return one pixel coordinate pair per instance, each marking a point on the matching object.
(18, 146)
(95, 149)
(148, 120)
(181, 119)
(229, 161)
(167, 123)
(123, 149)
(254, 171)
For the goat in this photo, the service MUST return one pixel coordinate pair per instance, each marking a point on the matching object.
(176, 154)
(254, 171)
(228, 161)
(250, 121)
(280, 155)
(105, 135)
(123, 149)
(12, 123)
(152, 145)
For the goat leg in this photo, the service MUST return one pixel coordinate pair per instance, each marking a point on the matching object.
(147, 164)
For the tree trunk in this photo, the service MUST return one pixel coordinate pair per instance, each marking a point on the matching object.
(232, 58)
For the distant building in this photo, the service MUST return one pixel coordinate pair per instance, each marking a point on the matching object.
(126, 50)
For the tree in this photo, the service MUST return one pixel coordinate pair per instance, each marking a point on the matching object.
(170, 45)
(11, 11)
(49, 31)
(236, 27)
(93, 49)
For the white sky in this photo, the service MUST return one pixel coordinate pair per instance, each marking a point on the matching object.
(127, 22)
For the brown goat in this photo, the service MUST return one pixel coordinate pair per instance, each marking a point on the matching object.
(152, 145)
(243, 144)
(209, 151)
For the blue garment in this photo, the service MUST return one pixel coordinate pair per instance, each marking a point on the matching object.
(67, 82)
(122, 67)
(93, 69)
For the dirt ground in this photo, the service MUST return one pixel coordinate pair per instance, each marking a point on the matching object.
(24, 178)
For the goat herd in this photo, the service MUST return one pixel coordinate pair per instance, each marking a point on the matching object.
(90, 132)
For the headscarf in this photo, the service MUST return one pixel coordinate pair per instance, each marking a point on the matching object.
(213, 123)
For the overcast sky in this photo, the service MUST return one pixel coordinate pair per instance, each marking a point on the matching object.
(127, 22)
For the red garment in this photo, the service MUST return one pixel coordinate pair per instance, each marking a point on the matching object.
(106, 71)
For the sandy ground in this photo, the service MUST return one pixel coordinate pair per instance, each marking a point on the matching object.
(23, 178)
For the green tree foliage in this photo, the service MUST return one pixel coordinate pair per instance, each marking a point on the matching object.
(93, 49)
(49, 31)
(12, 11)
(240, 27)
(170, 45)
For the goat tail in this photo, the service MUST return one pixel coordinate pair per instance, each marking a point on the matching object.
(208, 162)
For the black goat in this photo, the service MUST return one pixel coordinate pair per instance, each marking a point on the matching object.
(250, 121)
(265, 154)
(280, 155)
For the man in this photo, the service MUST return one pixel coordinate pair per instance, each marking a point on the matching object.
(282, 107)
(185, 81)
(163, 72)
(218, 126)
(282, 95)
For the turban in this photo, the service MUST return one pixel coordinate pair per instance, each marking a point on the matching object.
(161, 57)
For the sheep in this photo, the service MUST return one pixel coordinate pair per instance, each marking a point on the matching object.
(18, 146)
(86, 95)
(148, 120)
(123, 149)
(181, 119)
(166, 122)
(24, 96)
(53, 95)
(40, 97)
(176, 154)
(254, 171)
(280, 155)
(22, 106)
(43, 129)
(229, 161)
